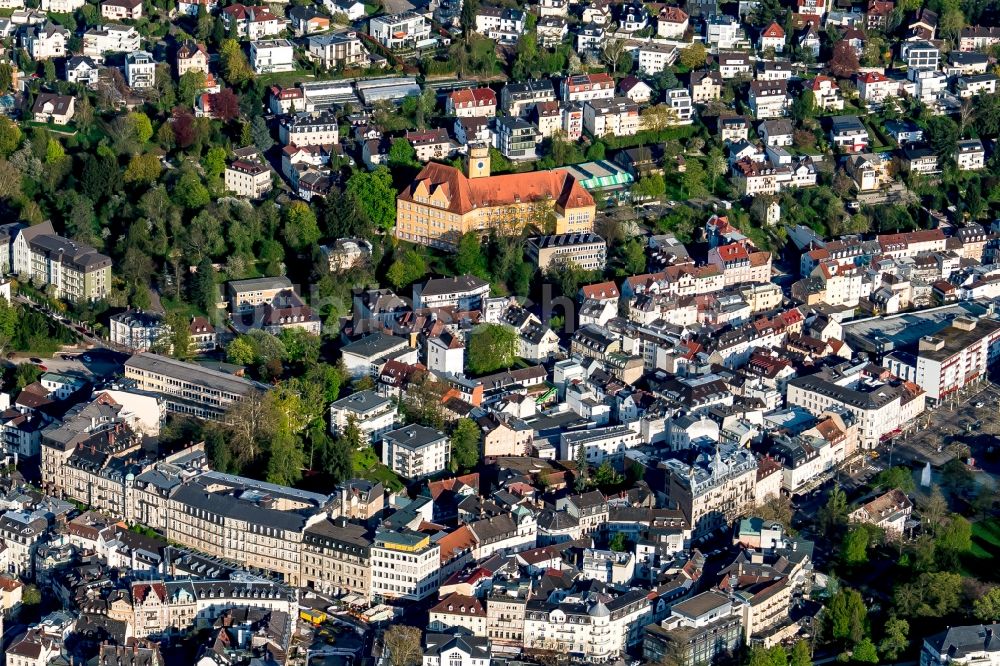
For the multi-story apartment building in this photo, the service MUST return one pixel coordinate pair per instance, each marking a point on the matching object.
(597, 631)
(654, 58)
(716, 488)
(415, 451)
(921, 55)
(769, 99)
(120, 10)
(443, 203)
(472, 102)
(874, 88)
(505, 25)
(191, 57)
(244, 178)
(45, 41)
(338, 49)
(138, 331)
(140, 69)
(722, 31)
(599, 444)
(681, 106)
(251, 21)
(672, 23)
(254, 523)
(404, 565)
(110, 39)
(705, 627)
(588, 87)
(616, 116)
(336, 558)
(463, 292)
(21, 532)
(188, 388)
(373, 414)
(734, 63)
(705, 86)
(739, 265)
(517, 99)
(971, 85)
(247, 295)
(307, 129)
(970, 155)
(880, 408)
(968, 645)
(75, 272)
(951, 358)
(404, 30)
(587, 250)
(272, 55)
(458, 611)
(978, 37)
(516, 138)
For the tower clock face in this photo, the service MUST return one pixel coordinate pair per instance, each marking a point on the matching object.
(480, 164)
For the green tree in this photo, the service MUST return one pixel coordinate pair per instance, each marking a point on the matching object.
(617, 542)
(582, 469)
(931, 595)
(402, 154)
(205, 292)
(651, 185)
(596, 151)
(805, 106)
(834, 513)
(241, 351)
(898, 477)
(854, 550)
(954, 539)
(9, 318)
(465, 445)
(986, 608)
(694, 179)
(942, 134)
(375, 197)
(896, 639)
(6, 77)
(301, 230)
(469, 257)
(145, 168)
(491, 347)
(235, 66)
(406, 269)
(190, 192)
(847, 616)
(190, 85)
(180, 335)
(141, 127)
(694, 56)
(864, 652)
(10, 136)
(801, 654)
(634, 255)
(214, 162)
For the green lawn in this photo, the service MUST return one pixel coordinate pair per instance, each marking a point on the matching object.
(367, 466)
(981, 558)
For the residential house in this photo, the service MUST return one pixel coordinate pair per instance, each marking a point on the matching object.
(769, 99)
(970, 155)
(472, 102)
(52, 108)
(672, 22)
(120, 10)
(849, 134)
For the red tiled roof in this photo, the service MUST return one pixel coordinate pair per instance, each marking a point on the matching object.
(467, 194)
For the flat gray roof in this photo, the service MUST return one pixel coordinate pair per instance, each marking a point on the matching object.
(212, 379)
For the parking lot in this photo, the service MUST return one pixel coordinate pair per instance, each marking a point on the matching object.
(943, 432)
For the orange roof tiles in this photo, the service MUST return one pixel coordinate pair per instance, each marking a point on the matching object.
(465, 194)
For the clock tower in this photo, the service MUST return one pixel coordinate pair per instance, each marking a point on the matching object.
(479, 161)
